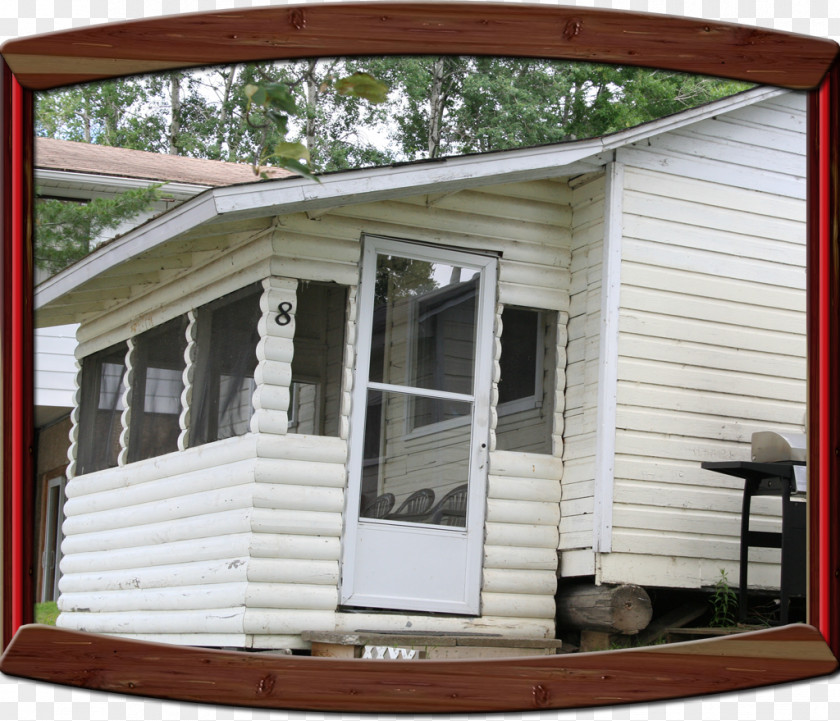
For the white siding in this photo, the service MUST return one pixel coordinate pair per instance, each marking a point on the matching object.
(579, 442)
(712, 338)
(55, 366)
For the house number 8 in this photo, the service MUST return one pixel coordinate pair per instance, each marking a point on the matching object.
(283, 317)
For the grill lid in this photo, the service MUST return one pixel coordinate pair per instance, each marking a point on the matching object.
(772, 447)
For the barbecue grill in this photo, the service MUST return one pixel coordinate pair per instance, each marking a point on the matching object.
(777, 468)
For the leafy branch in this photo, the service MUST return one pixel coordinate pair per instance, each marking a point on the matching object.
(278, 106)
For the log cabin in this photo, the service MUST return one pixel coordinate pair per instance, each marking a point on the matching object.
(410, 399)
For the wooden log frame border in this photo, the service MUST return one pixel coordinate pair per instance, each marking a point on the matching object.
(564, 681)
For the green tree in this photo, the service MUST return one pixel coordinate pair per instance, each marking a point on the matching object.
(65, 230)
(114, 112)
(455, 105)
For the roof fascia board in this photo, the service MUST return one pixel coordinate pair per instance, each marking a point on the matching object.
(692, 116)
(364, 186)
(119, 183)
(155, 232)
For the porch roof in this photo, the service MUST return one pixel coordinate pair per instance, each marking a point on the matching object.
(71, 294)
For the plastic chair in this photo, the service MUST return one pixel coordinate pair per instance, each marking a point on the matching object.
(415, 507)
(452, 508)
(380, 506)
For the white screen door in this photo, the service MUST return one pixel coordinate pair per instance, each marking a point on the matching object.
(419, 429)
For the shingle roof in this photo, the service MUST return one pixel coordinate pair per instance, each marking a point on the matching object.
(105, 160)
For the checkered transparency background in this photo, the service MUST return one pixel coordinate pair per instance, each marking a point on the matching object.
(24, 700)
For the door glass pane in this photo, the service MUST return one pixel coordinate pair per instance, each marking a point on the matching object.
(424, 324)
(415, 477)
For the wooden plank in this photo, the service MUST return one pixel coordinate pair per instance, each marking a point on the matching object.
(771, 414)
(315, 546)
(577, 562)
(171, 486)
(521, 207)
(686, 613)
(713, 170)
(216, 620)
(664, 243)
(489, 227)
(202, 597)
(289, 497)
(224, 523)
(675, 327)
(724, 288)
(732, 429)
(768, 363)
(224, 566)
(760, 132)
(697, 192)
(180, 507)
(284, 522)
(519, 558)
(689, 144)
(684, 44)
(683, 571)
(709, 524)
(502, 580)
(711, 379)
(713, 218)
(545, 191)
(504, 511)
(135, 668)
(649, 445)
(517, 605)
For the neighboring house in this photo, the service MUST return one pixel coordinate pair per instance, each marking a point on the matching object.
(411, 398)
(80, 172)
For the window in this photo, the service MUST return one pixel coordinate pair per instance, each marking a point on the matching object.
(315, 394)
(526, 364)
(101, 406)
(156, 390)
(223, 386)
(521, 360)
(51, 537)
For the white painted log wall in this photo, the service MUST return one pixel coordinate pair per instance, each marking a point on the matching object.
(712, 339)
(521, 535)
(237, 542)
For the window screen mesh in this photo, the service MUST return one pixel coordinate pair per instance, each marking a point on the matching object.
(225, 365)
(156, 390)
(103, 376)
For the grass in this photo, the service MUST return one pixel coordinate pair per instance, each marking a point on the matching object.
(46, 613)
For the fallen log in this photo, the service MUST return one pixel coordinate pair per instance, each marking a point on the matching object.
(622, 609)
